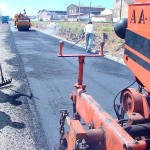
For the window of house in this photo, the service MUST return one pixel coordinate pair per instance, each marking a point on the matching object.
(85, 10)
(62, 17)
(71, 11)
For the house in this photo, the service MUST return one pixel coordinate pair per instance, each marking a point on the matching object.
(105, 16)
(45, 15)
(121, 8)
(80, 12)
(33, 18)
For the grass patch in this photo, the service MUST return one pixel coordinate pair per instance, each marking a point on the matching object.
(107, 29)
(75, 27)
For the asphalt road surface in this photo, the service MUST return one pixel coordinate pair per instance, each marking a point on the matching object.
(51, 80)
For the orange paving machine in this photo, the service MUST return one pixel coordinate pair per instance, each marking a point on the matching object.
(92, 128)
(22, 22)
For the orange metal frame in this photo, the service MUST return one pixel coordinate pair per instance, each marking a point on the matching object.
(103, 131)
(92, 127)
(139, 23)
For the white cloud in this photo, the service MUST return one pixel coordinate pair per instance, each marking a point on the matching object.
(4, 10)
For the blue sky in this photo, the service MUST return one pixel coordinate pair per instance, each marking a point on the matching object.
(11, 7)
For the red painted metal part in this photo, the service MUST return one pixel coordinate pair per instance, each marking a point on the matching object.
(133, 101)
(81, 59)
(61, 43)
(142, 1)
(60, 53)
(101, 48)
(105, 132)
(111, 134)
(138, 24)
(76, 131)
(115, 135)
(80, 70)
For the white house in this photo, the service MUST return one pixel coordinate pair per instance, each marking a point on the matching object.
(81, 12)
(105, 16)
(46, 15)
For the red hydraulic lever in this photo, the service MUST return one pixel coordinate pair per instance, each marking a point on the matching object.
(81, 63)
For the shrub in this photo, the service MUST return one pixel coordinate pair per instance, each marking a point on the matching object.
(107, 29)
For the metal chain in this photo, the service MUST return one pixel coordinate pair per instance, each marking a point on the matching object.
(64, 114)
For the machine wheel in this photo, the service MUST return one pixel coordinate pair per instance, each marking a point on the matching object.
(19, 29)
(131, 101)
(23, 28)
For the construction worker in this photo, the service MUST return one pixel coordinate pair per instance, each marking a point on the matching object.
(88, 30)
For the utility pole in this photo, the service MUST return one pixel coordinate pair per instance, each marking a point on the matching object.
(120, 9)
(79, 10)
(90, 11)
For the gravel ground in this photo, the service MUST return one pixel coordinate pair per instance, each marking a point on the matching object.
(19, 126)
